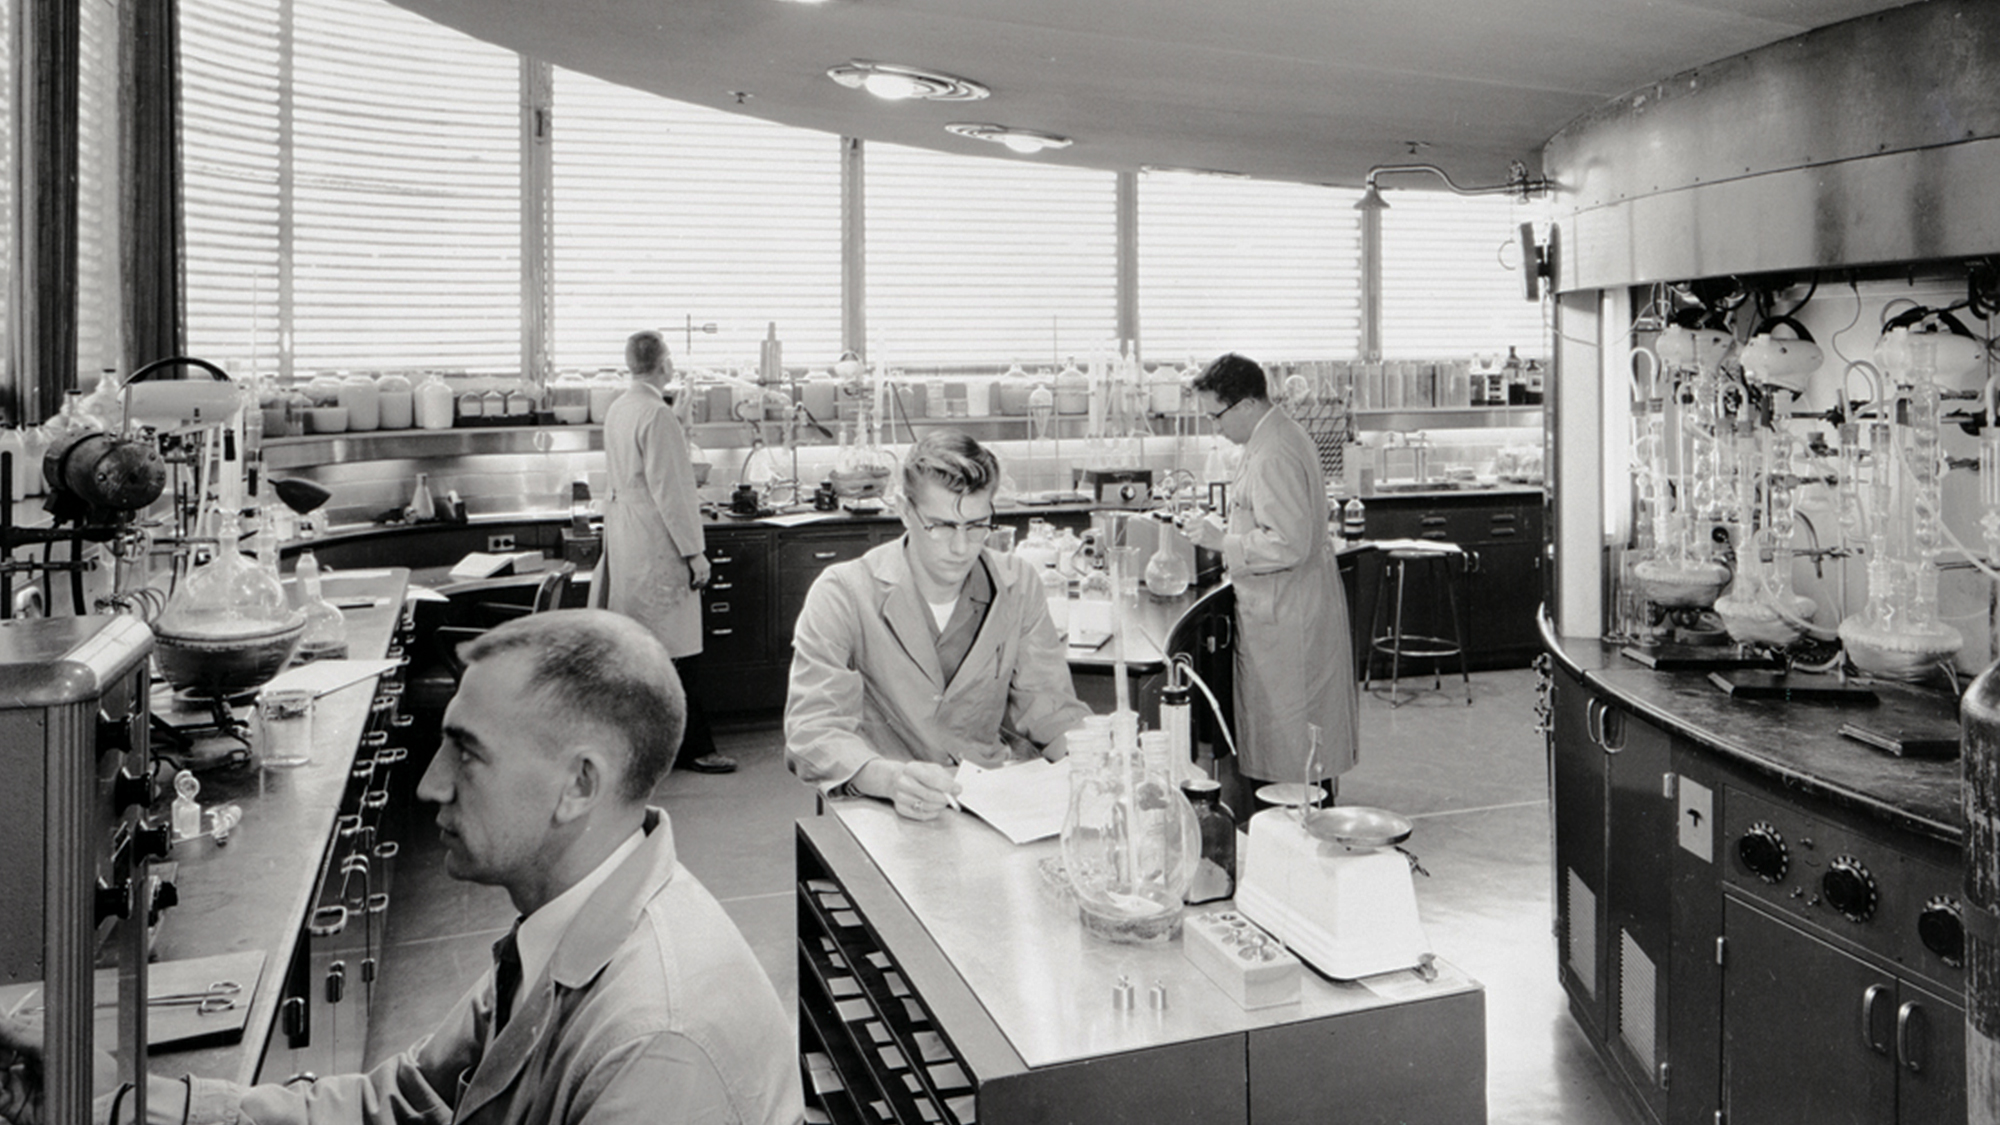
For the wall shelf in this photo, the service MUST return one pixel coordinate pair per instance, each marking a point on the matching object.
(1448, 418)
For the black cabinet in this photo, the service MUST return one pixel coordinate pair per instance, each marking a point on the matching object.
(1612, 777)
(1736, 949)
(1813, 1033)
(1503, 570)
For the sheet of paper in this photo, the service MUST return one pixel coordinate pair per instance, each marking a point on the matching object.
(323, 676)
(1025, 801)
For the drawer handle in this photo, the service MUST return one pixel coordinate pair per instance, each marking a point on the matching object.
(1868, 1001)
(718, 607)
(387, 849)
(1432, 535)
(721, 632)
(715, 587)
(721, 560)
(1904, 1015)
(826, 554)
(1506, 517)
(1431, 521)
(1504, 532)
(327, 921)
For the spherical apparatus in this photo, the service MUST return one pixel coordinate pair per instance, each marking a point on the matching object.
(1849, 888)
(1941, 926)
(1762, 851)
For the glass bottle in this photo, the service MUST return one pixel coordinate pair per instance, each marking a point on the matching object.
(1354, 520)
(1056, 589)
(1169, 571)
(325, 636)
(1215, 875)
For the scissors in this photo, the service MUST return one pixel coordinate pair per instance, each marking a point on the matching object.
(219, 996)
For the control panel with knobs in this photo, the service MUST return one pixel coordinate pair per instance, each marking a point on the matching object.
(1941, 926)
(1849, 888)
(1762, 850)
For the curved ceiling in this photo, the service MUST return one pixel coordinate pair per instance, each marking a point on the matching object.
(1316, 91)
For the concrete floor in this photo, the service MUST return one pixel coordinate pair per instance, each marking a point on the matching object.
(1474, 778)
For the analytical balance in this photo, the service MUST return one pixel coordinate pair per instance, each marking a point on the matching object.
(1330, 884)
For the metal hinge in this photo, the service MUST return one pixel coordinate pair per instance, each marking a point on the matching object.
(1721, 947)
(1667, 785)
(1663, 1068)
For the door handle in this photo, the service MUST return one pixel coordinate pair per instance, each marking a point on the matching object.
(1869, 998)
(1909, 1013)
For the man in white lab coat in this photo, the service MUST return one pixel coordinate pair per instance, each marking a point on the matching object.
(653, 566)
(929, 650)
(623, 993)
(1294, 655)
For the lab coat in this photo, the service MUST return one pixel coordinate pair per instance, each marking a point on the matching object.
(652, 1008)
(1294, 654)
(866, 681)
(652, 520)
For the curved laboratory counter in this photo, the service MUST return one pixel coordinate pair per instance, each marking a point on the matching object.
(1741, 887)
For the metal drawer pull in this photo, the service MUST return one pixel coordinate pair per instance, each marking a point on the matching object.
(1909, 1012)
(1868, 999)
(1432, 535)
(387, 849)
(721, 632)
(1503, 532)
(327, 921)
(378, 902)
(718, 607)
(826, 554)
(378, 799)
(1430, 521)
(349, 824)
(391, 756)
(1506, 517)
(714, 586)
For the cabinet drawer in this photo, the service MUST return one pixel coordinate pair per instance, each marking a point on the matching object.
(733, 630)
(801, 559)
(1512, 523)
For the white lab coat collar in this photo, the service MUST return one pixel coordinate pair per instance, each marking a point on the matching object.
(543, 930)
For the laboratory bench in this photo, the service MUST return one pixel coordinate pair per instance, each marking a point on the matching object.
(1759, 917)
(944, 977)
(287, 883)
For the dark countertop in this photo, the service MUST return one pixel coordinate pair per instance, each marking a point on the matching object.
(254, 892)
(1797, 744)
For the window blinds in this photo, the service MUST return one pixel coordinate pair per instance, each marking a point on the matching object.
(675, 216)
(1267, 269)
(1451, 279)
(99, 313)
(981, 260)
(354, 188)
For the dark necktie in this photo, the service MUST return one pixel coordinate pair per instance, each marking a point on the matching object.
(506, 976)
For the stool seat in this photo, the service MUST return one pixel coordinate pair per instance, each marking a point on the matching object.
(1411, 572)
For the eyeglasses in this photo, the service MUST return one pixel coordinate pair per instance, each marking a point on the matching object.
(1216, 415)
(944, 531)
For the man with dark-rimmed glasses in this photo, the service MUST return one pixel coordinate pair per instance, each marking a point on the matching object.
(929, 650)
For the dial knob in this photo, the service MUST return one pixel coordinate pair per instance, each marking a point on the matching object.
(1942, 928)
(1762, 850)
(1849, 888)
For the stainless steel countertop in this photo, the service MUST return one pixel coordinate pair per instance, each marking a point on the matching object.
(1045, 982)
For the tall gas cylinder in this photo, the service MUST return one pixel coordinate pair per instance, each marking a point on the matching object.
(1979, 764)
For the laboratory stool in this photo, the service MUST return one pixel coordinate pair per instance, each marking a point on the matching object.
(1412, 577)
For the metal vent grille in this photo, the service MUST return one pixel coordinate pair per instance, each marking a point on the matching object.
(1638, 1000)
(1580, 930)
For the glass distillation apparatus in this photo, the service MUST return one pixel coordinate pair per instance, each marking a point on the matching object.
(1897, 634)
(1681, 469)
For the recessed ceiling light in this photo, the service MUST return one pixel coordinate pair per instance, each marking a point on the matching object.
(899, 83)
(1025, 141)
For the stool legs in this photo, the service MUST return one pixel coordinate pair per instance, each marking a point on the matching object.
(1399, 642)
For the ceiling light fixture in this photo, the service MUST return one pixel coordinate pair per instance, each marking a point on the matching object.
(894, 82)
(1024, 141)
